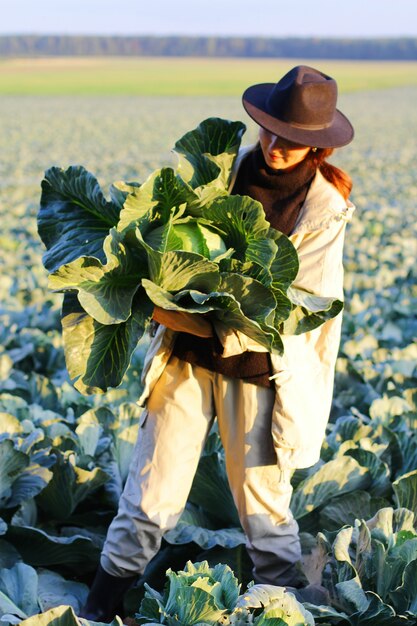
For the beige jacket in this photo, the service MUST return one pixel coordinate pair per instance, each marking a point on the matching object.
(304, 374)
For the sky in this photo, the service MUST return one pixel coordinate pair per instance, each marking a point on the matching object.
(276, 18)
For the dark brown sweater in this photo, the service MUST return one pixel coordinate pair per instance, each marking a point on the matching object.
(281, 194)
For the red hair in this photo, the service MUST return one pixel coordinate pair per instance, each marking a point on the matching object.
(337, 177)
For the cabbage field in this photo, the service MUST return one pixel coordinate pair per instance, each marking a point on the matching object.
(64, 457)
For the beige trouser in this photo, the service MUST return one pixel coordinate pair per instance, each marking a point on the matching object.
(179, 415)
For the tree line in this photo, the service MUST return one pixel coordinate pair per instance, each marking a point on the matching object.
(404, 48)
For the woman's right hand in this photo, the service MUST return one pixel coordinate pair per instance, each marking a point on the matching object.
(192, 323)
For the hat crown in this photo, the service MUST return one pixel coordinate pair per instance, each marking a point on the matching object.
(301, 107)
(304, 97)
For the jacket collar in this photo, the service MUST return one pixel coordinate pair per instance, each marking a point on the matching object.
(322, 206)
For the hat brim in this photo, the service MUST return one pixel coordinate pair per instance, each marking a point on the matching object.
(338, 134)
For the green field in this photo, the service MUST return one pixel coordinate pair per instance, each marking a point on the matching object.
(64, 457)
(182, 76)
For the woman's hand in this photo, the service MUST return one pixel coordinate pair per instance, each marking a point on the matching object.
(192, 323)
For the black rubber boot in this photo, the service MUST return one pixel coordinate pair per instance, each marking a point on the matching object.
(105, 597)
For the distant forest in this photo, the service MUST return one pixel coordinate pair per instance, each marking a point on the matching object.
(395, 49)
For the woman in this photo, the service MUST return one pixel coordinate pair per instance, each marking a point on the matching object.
(272, 411)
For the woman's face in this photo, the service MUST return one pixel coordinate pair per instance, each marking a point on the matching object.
(280, 154)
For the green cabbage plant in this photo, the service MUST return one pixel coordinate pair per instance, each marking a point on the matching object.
(24, 593)
(370, 571)
(210, 595)
(178, 241)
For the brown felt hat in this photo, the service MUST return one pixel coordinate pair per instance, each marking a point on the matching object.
(301, 107)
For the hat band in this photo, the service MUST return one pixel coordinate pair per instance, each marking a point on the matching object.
(309, 126)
